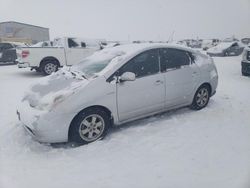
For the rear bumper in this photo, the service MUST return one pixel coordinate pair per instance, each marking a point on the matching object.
(245, 67)
(23, 65)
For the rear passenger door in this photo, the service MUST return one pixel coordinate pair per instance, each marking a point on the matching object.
(181, 76)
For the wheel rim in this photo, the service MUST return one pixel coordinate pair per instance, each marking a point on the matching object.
(92, 127)
(50, 67)
(202, 97)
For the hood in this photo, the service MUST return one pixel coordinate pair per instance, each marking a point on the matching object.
(53, 89)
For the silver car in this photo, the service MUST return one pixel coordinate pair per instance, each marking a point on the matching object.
(114, 86)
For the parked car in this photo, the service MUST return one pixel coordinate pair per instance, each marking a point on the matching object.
(246, 41)
(226, 49)
(230, 39)
(109, 44)
(8, 52)
(65, 51)
(114, 86)
(209, 43)
(245, 63)
(191, 43)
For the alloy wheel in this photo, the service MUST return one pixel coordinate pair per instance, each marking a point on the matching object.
(92, 127)
(50, 68)
(202, 97)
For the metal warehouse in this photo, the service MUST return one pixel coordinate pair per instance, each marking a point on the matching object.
(21, 32)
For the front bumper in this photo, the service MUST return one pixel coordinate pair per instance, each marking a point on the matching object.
(245, 67)
(45, 127)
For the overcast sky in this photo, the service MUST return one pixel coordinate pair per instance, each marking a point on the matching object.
(133, 19)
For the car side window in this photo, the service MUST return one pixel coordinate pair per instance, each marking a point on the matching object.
(144, 64)
(173, 59)
(72, 43)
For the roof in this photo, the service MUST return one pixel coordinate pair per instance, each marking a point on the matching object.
(123, 53)
(23, 24)
(135, 48)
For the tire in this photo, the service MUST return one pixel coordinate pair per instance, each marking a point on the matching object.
(48, 67)
(244, 74)
(201, 98)
(89, 126)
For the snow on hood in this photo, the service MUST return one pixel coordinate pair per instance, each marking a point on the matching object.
(53, 89)
(220, 47)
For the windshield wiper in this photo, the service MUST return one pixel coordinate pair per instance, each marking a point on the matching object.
(75, 73)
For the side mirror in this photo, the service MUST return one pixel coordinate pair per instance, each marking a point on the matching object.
(127, 76)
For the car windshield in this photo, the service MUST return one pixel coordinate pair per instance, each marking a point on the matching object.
(95, 63)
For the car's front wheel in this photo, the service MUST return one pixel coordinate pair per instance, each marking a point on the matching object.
(201, 98)
(90, 125)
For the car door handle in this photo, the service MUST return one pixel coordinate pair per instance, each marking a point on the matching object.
(194, 73)
(158, 82)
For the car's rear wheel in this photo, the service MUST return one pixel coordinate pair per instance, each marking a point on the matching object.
(89, 126)
(49, 67)
(201, 98)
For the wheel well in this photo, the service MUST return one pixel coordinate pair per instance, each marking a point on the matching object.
(91, 107)
(209, 87)
(53, 59)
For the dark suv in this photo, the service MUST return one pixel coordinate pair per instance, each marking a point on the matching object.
(245, 64)
(8, 53)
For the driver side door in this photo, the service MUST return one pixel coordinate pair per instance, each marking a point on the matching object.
(144, 95)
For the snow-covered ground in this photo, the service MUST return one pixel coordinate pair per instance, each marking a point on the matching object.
(180, 149)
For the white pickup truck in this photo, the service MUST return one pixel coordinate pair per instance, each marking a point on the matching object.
(65, 51)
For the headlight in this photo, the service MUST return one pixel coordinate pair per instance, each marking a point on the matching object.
(58, 99)
(49, 104)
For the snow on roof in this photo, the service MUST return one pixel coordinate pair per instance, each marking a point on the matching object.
(130, 49)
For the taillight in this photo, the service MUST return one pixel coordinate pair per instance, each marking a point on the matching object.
(248, 55)
(25, 53)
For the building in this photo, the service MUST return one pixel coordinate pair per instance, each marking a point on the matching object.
(21, 32)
